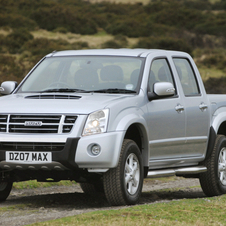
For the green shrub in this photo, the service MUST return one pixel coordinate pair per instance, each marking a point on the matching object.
(219, 5)
(35, 49)
(111, 44)
(164, 43)
(174, 13)
(66, 17)
(200, 4)
(216, 85)
(43, 46)
(17, 21)
(121, 39)
(217, 60)
(78, 45)
(15, 40)
(61, 30)
(2, 44)
(131, 27)
(10, 69)
(132, 20)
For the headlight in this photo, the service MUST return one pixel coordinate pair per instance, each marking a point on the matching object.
(96, 123)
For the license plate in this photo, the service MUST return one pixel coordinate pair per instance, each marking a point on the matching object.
(28, 157)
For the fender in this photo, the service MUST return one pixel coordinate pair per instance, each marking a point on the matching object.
(219, 117)
(131, 119)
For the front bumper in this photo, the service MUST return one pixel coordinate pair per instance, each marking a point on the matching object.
(75, 154)
(110, 144)
(61, 160)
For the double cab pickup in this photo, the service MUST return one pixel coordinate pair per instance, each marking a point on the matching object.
(109, 118)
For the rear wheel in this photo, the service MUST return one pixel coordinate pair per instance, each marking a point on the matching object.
(123, 184)
(5, 189)
(213, 182)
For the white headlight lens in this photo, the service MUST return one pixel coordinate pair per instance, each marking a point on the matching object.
(96, 122)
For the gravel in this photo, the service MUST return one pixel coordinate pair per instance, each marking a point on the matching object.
(42, 204)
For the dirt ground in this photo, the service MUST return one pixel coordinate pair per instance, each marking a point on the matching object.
(42, 204)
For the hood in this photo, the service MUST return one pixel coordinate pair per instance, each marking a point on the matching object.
(57, 103)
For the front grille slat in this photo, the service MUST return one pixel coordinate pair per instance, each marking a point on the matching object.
(2, 128)
(30, 118)
(37, 123)
(31, 146)
(44, 119)
(3, 118)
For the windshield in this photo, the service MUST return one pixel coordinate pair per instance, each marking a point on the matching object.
(85, 74)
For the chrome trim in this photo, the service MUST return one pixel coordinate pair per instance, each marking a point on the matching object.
(179, 171)
(36, 123)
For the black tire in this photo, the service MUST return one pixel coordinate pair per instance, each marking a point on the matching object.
(213, 182)
(89, 188)
(123, 184)
(5, 189)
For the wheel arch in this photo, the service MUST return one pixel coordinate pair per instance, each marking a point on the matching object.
(218, 127)
(135, 127)
(138, 134)
(219, 121)
(211, 141)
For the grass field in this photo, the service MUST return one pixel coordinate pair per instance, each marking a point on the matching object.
(199, 212)
(35, 184)
(185, 212)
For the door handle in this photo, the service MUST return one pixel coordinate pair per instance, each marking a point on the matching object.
(179, 108)
(203, 106)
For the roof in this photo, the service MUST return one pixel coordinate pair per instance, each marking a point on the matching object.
(108, 52)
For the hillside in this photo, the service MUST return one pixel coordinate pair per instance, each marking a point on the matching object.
(29, 29)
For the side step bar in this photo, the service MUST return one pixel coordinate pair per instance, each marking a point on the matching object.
(177, 171)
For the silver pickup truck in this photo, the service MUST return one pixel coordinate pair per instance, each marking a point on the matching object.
(110, 118)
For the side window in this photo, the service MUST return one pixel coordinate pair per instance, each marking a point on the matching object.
(187, 77)
(160, 72)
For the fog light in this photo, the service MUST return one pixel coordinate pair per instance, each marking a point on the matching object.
(95, 149)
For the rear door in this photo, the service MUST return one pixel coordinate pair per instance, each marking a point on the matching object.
(196, 108)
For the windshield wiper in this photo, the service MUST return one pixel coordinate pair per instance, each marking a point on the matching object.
(62, 90)
(115, 90)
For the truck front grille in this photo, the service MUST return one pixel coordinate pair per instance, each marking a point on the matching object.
(31, 146)
(37, 123)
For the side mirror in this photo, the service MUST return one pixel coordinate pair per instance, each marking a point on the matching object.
(8, 87)
(161, 90)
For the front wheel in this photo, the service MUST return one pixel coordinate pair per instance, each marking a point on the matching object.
(213, 182)
(5, 189)
(123, 184)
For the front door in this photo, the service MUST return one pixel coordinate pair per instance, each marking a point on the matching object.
(166, 119)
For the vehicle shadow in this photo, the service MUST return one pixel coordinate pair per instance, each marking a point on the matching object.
(61, 201)
(164, 195)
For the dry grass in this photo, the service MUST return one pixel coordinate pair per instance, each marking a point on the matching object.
(210, 72)
(144, 2)
(94, 41)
